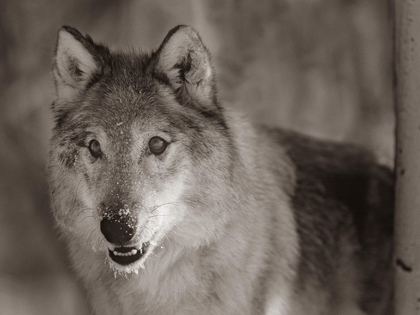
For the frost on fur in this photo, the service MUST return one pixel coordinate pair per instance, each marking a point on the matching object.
(186, 63)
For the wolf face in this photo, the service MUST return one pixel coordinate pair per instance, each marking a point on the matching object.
(139, 143)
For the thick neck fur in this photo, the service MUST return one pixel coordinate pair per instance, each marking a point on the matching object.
(184, 280)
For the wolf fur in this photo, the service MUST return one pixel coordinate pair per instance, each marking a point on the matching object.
(238, 218)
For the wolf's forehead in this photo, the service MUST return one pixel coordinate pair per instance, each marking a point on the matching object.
(116, 103)
(125, 114)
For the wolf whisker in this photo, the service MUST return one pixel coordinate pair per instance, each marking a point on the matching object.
(161, 215)
(154, 208)
(78, 186)
(81, 210)
(86, 217)
(90, 235)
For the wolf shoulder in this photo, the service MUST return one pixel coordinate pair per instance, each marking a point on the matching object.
(329, 178)
(345, 171)
(340, 197)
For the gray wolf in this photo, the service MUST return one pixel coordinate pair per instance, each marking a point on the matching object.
(170, 203)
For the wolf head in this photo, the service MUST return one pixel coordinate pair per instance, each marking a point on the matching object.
(141, 153)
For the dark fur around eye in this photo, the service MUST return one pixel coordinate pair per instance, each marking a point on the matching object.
(157, 145)
(95, 149)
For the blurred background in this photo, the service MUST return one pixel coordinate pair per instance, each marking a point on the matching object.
(322, 67)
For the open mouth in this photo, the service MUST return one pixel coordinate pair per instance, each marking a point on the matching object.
(128, 255)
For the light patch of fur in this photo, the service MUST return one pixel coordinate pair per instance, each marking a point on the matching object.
(153, 227)
(280, 293)
(74, 212)
(278, 303)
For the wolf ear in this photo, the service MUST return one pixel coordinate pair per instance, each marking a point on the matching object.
(186, 63)
(74, 62)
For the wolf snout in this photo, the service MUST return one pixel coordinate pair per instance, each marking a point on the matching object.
(118, 230)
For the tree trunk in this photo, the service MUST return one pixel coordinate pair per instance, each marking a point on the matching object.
(407, 222)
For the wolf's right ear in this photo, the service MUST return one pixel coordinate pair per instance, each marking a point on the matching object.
(74, 63)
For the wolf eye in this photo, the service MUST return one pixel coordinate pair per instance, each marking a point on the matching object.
(95, 149)
(157, 145)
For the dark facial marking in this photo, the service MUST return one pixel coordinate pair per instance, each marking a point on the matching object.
(68, 157)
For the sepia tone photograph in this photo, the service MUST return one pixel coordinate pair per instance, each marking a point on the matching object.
(180, 157)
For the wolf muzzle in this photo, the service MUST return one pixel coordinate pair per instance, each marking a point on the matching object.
(119, 226)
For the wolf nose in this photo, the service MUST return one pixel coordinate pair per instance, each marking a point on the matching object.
(117, 231)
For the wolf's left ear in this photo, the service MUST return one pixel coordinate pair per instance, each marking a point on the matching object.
(74, 63)
(186, 63)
